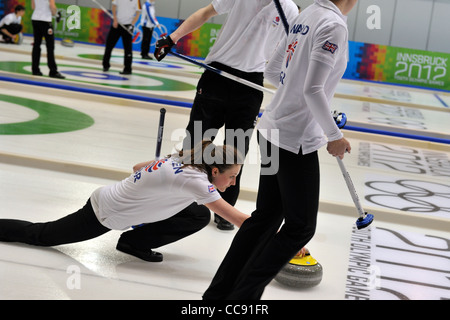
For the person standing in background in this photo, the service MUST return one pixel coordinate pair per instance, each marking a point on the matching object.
(148, 23)
(245, 43)
(41, 19)
(125, 15)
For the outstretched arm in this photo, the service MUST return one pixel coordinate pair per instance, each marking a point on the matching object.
(228, 212)
(193, 22)
(236, 217)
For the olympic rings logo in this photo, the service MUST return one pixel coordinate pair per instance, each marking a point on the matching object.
(411, 195)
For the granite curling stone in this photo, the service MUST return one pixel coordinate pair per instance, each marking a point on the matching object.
(19, 38)
(67, 42)
(301, 272)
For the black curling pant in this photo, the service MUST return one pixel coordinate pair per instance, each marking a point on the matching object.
(154, 235)
(13, 28)
(111, 40)
(43, 29)
(79, 226)
(84, 225)
(224, 102)
(258, 251)
(146, 40)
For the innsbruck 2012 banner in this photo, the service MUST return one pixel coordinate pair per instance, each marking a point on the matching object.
(398, 65)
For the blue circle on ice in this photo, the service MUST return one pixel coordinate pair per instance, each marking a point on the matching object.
(94, 75)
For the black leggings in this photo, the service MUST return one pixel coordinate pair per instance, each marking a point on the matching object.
(79, 226)
(224, 102)
(146, 40)
(13, 28)
(84, 225)
(113, 36)
(43, 29)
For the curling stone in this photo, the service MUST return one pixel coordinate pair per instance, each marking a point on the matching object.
(19, 38)
(301, 272)
(67, 42)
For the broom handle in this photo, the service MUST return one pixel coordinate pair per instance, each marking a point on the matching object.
(351, 187)
(160, 133)
(223, 73)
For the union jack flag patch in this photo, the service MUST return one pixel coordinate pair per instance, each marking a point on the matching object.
(211, 188)
(328, 46)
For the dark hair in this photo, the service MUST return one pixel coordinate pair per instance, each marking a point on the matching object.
(19, 7)
(206, 155)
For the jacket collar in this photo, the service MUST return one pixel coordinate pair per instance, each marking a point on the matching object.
(331, 6)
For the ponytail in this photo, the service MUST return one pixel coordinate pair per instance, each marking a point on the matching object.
(206, 155)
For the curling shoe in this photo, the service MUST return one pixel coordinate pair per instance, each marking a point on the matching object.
(56, 75)
(150, 255)
(223, 224)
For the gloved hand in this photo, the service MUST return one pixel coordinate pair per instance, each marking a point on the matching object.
(58, 17)
(163, 47)
(130, 28)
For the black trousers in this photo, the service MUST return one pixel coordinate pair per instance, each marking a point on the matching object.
(79, 226)
(258, 251)
(111, 40)
(43, 29)
(13, 28)
(224, 102)
(154, 235)
(84, 225)
(146, 39)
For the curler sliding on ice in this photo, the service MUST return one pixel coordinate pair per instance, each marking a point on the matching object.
(364, 219)
(187, 180)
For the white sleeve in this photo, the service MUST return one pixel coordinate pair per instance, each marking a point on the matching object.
(153, 16)
(7, 20)
(143, 14)
(273, 67)
(222, 6)
(329, 41)
(316, 99)
(201, 189)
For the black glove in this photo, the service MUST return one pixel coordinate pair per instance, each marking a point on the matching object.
(163, 47)
(130, 28)
(58, 17)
